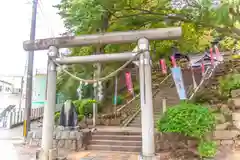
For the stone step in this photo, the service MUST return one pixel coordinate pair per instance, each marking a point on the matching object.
(168, 97)
(156, 115)
(116, 143)
(138, 125)
(139, 121)
(123, 133)
(115, 148)
(117, 137)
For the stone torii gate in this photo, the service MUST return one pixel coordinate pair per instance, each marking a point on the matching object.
(142, 37)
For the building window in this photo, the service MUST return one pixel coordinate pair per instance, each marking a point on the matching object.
(7, 89)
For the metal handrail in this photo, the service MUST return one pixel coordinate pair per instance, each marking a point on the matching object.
(127, 121)
(133, 99)
(205, 77)
(137, 96)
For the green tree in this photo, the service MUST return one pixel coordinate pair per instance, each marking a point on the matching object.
(224, 17)
(197, 19)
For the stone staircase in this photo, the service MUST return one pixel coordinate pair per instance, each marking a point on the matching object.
(126, 141)
(129, 139)
(171, 97)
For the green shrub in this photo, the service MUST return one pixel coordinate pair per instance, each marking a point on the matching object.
(207, 148)
(56, 116)
(80, 117)
(229, 83)
(188, 119)
(136, 89)
(84, 106)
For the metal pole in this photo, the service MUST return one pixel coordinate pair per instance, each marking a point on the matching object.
(28, 102)
(50, 106)
(148, 132)
(115, 93)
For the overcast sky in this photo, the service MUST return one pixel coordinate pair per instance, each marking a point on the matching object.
(15, 16)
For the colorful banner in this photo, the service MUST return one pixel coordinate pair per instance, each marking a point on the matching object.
(218, 55)
(163, 66)
(174, 63)
(129, 83)
(178, 79)
(203, 67)
(211, 56)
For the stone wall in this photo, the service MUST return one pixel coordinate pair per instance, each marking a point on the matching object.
(171, 141)
(167, 142)
(64, 140)
(228, 121)
(226, 133)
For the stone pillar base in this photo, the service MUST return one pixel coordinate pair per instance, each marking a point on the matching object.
(153, 157)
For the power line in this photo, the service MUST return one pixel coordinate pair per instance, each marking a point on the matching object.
(41, 6)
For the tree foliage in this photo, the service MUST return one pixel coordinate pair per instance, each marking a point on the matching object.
(197, 19)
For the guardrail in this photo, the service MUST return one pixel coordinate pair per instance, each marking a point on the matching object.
(191, 92)
(129, 119)
(15, 118)
(137, 96)
(207, 75)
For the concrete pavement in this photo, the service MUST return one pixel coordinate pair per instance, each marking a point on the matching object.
(16, 131)
(7, 150)
(11, 144)
(11, 148)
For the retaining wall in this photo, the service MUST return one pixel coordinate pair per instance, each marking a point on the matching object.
(64, 141)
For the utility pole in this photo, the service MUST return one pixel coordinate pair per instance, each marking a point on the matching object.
(28, 101)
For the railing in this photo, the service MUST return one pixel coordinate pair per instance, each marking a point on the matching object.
(207, 75)
(191, 92)
(128, 120)
(15, 118)
(125, 112)
(6, 110)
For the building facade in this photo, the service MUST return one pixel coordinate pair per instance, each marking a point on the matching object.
(39, 90)
(6, 87)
